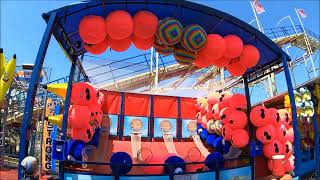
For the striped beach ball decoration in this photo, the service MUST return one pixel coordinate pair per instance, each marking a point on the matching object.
(162, 49)
(183, 56)
(169, 31)
(194, 38)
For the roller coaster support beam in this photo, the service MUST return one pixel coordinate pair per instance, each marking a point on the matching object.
(33, 86)
(297, 150)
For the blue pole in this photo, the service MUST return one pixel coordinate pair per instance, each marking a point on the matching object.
(297, 150)
(65, 112)
(28, 111)
(151, 120)
(316, 138)
(179, 123)
(120, 133)
(251, 128)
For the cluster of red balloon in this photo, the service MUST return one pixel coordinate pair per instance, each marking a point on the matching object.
(223, 113)
(118, 30)
(85, 113)
(229, 52)
(274, 130)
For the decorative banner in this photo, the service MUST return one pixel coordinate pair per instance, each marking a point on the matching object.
(46, 138)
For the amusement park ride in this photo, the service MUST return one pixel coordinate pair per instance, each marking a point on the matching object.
(155, 74)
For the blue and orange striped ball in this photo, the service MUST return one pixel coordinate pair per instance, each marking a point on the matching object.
(162, 49)
(194, 38)
(183, 56)
(169, 31)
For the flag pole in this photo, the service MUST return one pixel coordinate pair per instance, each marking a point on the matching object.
(255, 15)
(307, 43)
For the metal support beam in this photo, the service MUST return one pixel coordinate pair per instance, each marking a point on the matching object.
(23, 150)
(251, 128)
(316, 138)
(65, 112)
(297, 150)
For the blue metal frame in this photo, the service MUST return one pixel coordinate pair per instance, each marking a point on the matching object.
(316, 137)
(23, 152)
(120, 133)
(297, 150)
(179, 123)
(151, 120)
(251, 128)
(65, 112)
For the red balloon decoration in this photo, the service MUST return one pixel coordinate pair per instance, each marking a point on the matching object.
(214, 49)
(235, 68)
(222, 62)
(78, 116)
(239, 138)
(145, 24)
(238, 101)
(201, 61)
(97, 48)
(249, 56)
(259, 116)
(143, 44)
(273, 148)
(266, 134)
(234, 46)
(119, 25)
(92, 29)
(120, 45)
(237, 120)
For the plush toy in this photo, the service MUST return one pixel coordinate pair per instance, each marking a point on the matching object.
(201, 104)
(238, 101)
(210, 126)
(307, 109)
(84, 94)
(297, 96)
(199, 117)
(78, 116)
(316, 93)
(83, 134)
(285, 117)
(225, 114)
(282, 133)
(266, 134)
(224, 99)
(277, 165)
(288, 149)
(274, 117)
(239, 138)
(289, 164)
(305, 94)
(259, 116)
(237, 120)
(214, 161)
(215, 111)
(226, 132)
(213, 98)
(204, 122)
(273, 148)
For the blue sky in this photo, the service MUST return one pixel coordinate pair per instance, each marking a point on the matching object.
(22, 25)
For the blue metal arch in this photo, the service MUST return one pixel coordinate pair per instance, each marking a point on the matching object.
(212, 20)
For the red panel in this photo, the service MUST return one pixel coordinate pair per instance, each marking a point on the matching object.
(165, 106)
(136, 105)
(188, 110)
(112, 102)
